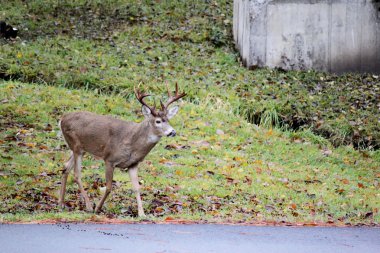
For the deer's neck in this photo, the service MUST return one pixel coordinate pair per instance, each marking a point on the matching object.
(146, 133)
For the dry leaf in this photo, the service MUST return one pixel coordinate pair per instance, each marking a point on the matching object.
(219, 132)
(30, 145)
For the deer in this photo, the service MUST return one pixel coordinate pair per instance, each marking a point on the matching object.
(121, 144)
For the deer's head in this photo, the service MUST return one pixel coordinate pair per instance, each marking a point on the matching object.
(159, 117)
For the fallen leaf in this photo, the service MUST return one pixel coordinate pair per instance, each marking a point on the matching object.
(171, 164)
(269, 133)
(48, 128)
(163, 160)
(230, 180)
(175, 146)
(310, 224)
(247, 180)
(269, 208)
(201, 143)
(30, 145)
(7, 157)
(219, 132)
(314, 181)
(326, 152)
(43, 174)
(239, 159)
(179, 172)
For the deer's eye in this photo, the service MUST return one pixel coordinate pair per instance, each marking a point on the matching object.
(158, 121)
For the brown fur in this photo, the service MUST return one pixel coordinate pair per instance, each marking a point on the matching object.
(119, 143)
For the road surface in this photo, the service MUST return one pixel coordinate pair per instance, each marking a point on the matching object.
(185, 238)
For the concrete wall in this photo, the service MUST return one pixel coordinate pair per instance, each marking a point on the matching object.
(327, 35)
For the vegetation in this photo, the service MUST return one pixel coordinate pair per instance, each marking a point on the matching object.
(112, 45)
(219, 168)
(344, 109)
(87, 55)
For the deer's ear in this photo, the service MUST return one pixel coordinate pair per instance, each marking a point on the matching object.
(146, 111)
(172, 111)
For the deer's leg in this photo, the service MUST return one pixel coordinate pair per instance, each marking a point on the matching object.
(136, 187)
(67, 168)
(109, 177)
(78, 180)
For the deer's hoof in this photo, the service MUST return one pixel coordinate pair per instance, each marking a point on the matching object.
(89, 207)
(61, 206)
(142, 215)
(147, 218)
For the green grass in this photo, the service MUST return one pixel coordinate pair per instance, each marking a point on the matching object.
(246, 173)
(112, 45)
(343, 109)
(88, 55)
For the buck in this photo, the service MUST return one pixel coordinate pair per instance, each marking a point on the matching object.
(121, 144)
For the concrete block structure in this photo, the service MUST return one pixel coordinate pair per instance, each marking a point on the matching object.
(326, 35)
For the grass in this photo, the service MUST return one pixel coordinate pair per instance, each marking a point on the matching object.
(343, 109)
(221, 167)
(117, 44)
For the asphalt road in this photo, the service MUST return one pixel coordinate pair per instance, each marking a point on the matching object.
(185, 238)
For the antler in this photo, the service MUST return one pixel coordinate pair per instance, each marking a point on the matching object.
(171, 98)
(140, 97)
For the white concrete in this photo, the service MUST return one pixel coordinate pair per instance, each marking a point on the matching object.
(326, 35)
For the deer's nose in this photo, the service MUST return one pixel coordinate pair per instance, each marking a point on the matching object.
(172, 134)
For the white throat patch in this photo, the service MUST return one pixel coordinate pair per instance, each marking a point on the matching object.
(153, 138)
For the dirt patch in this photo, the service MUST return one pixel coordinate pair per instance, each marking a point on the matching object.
(169, 220)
